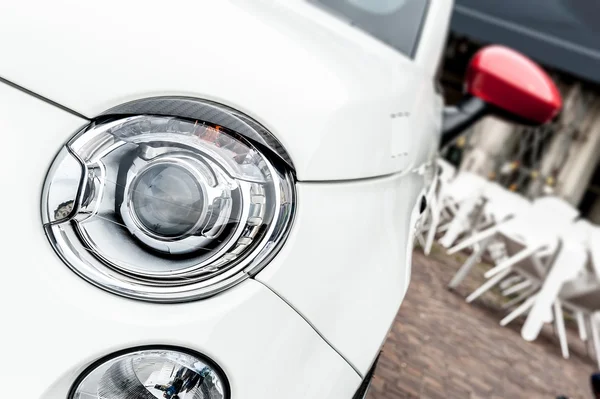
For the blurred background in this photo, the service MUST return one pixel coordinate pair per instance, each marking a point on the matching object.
(564, 37)
(461, 330)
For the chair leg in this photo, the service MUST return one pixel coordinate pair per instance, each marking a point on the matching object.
(459, 224)
(467, 266)
(445, 214)
(454, 230)
(480, 236)
(421, 241)
(581, 326)
(513, 260)
(435, 219)
(521, 309)
(517, 288)
(510, 281)
(560, 329)
(595, 337)
(548, 316)
(444, 227)
(520, 298)
(488, 285)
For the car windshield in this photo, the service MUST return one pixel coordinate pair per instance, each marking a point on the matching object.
(395, 22)
(383, 7)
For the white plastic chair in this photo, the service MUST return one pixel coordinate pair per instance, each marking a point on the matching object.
(451, 193)
(532, 234)
(544, 277)
(498, 204)
(568, 265)
(573, 283)
(564, 275)
(430, 220)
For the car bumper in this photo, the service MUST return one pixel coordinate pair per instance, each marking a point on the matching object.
(265, 349)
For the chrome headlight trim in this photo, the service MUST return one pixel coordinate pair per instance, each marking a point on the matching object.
(206, 360)
(66, 211)
(207, 111)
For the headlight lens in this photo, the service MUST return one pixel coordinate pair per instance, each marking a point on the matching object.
(167, 200)
(165, 208)
(152, 373)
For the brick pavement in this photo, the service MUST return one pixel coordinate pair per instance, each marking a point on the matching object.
(442, 347)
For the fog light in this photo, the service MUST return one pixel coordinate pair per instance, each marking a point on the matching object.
(150, 374)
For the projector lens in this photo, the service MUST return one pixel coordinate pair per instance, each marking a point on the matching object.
(167, 200)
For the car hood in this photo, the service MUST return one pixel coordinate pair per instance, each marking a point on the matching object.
(323, 88)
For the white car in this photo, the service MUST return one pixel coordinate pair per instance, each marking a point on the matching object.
(228, 189)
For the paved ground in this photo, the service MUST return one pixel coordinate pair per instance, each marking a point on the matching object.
(442, 347)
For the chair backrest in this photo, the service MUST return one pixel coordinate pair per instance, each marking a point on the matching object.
(465, 185)
(554, 209)
(544, 221)
(502, 203)
(580, 231)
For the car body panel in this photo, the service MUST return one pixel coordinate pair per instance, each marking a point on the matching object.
(55, 324)
(360, 121)
(344, 266)
(330, 92)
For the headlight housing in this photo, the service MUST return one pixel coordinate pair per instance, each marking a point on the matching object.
(161, 372)
(169, 208)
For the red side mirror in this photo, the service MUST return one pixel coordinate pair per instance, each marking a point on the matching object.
(511, 82)
(502, 82)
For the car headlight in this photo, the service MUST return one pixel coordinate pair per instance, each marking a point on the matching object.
(152, 373)
(169, 208)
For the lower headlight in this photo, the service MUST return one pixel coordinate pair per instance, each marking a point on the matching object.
(150, 374)
(168, 208)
